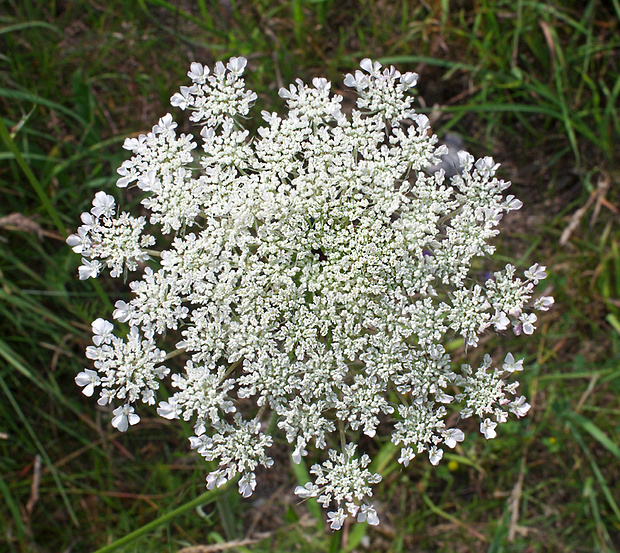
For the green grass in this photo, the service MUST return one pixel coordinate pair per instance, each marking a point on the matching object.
(536, 83)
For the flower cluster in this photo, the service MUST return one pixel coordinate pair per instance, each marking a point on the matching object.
(313, 270)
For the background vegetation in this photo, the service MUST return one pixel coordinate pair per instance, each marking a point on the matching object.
(534, 82)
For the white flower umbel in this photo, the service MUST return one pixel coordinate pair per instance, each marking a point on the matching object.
(308, 276)
(344, 480)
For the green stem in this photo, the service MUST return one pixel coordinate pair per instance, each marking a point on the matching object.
(174, 353)
(343, 438)
(203, 499)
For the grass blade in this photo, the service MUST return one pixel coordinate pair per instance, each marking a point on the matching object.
(42, 451)
(29, 25)
(20, 527)
(45, 200)
(26, 96)
(597, 471)
(204, 499)
(595, 432)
